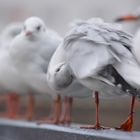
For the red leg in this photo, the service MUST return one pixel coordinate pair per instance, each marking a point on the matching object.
(97, 123)
(56, 112)
(64, 108)
(67, 111)
(128, 124)
(13, 105)
(3, 100)
(31, 107)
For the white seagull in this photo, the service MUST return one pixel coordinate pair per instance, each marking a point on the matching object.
(130, 17)
(95, 53)
(64, 83)
(30, 53)
(135, 16)
(9, 80)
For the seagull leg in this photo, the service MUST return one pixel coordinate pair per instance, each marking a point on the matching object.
(97, 125)
(3, 99)
(67, 111)
(56, 112)
(31, 107)
(128, 124)
(13, 105)
(64, 108)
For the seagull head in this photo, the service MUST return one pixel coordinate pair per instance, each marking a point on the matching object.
(130, 17)
(34, 27)
(60, 78)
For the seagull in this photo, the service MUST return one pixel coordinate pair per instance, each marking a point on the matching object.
(95, 53)
(30, 53)
(135, 16)
(6, 36)
(64, 79)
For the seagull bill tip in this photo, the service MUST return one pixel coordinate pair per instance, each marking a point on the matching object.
(28, 33)
(127, 18)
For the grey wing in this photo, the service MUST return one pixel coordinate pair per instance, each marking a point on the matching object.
(89, 49)
(118, 42)
(85, 57)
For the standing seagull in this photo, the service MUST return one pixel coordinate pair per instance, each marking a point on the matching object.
(6, 37)
(130, 17)
(136, 40)
(92, 51)
(30, 53)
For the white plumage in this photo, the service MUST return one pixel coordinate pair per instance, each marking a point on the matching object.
(136, 45)
(98, 55)
(65, 83)
(9, 32)
(10, 80)
(31, 51)
(132, 61)
(88, 48)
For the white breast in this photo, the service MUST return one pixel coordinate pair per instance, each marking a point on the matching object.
(136, 46)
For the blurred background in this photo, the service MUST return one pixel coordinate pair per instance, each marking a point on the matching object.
(58, 14)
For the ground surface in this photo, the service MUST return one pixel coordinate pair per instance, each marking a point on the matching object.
(21, 130)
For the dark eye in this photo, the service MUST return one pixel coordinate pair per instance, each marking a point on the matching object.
(38, 28)
(58, 69)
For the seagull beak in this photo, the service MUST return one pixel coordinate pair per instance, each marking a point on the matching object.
(28, 33)
(127, 18)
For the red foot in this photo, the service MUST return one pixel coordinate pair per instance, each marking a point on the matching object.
(65, 120)
(127, 125)
(49, 121)
(96, 127)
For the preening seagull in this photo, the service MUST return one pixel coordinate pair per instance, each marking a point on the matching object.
(98, 55)
(64, 82)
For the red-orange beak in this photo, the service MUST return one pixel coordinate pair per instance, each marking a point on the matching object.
(127, 18)
(28, 33)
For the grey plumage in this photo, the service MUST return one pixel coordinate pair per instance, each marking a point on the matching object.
(91, 46)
